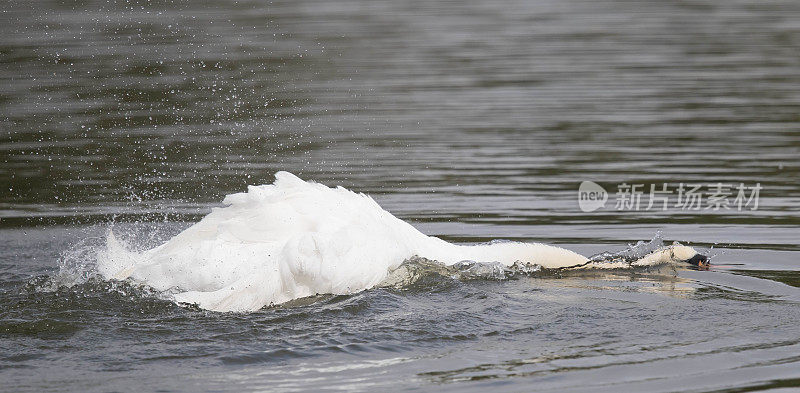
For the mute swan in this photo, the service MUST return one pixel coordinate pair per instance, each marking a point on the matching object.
(293, 239)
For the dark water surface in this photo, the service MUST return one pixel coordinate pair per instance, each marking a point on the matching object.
(472, 120)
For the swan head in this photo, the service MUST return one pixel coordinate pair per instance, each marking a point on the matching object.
(689, 255)
(698, 260)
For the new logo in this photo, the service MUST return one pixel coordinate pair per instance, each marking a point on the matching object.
(591, 196)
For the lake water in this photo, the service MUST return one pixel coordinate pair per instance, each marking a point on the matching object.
(473, 121)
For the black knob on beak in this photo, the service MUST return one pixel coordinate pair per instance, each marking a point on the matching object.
(698, 260)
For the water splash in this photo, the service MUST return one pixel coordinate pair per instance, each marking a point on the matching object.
(77, 264)
(416, 269)
(631, 254)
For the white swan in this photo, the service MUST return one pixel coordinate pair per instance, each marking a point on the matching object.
(293, 239)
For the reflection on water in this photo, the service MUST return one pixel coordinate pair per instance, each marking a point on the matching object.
(787, 277)
(661, 280)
